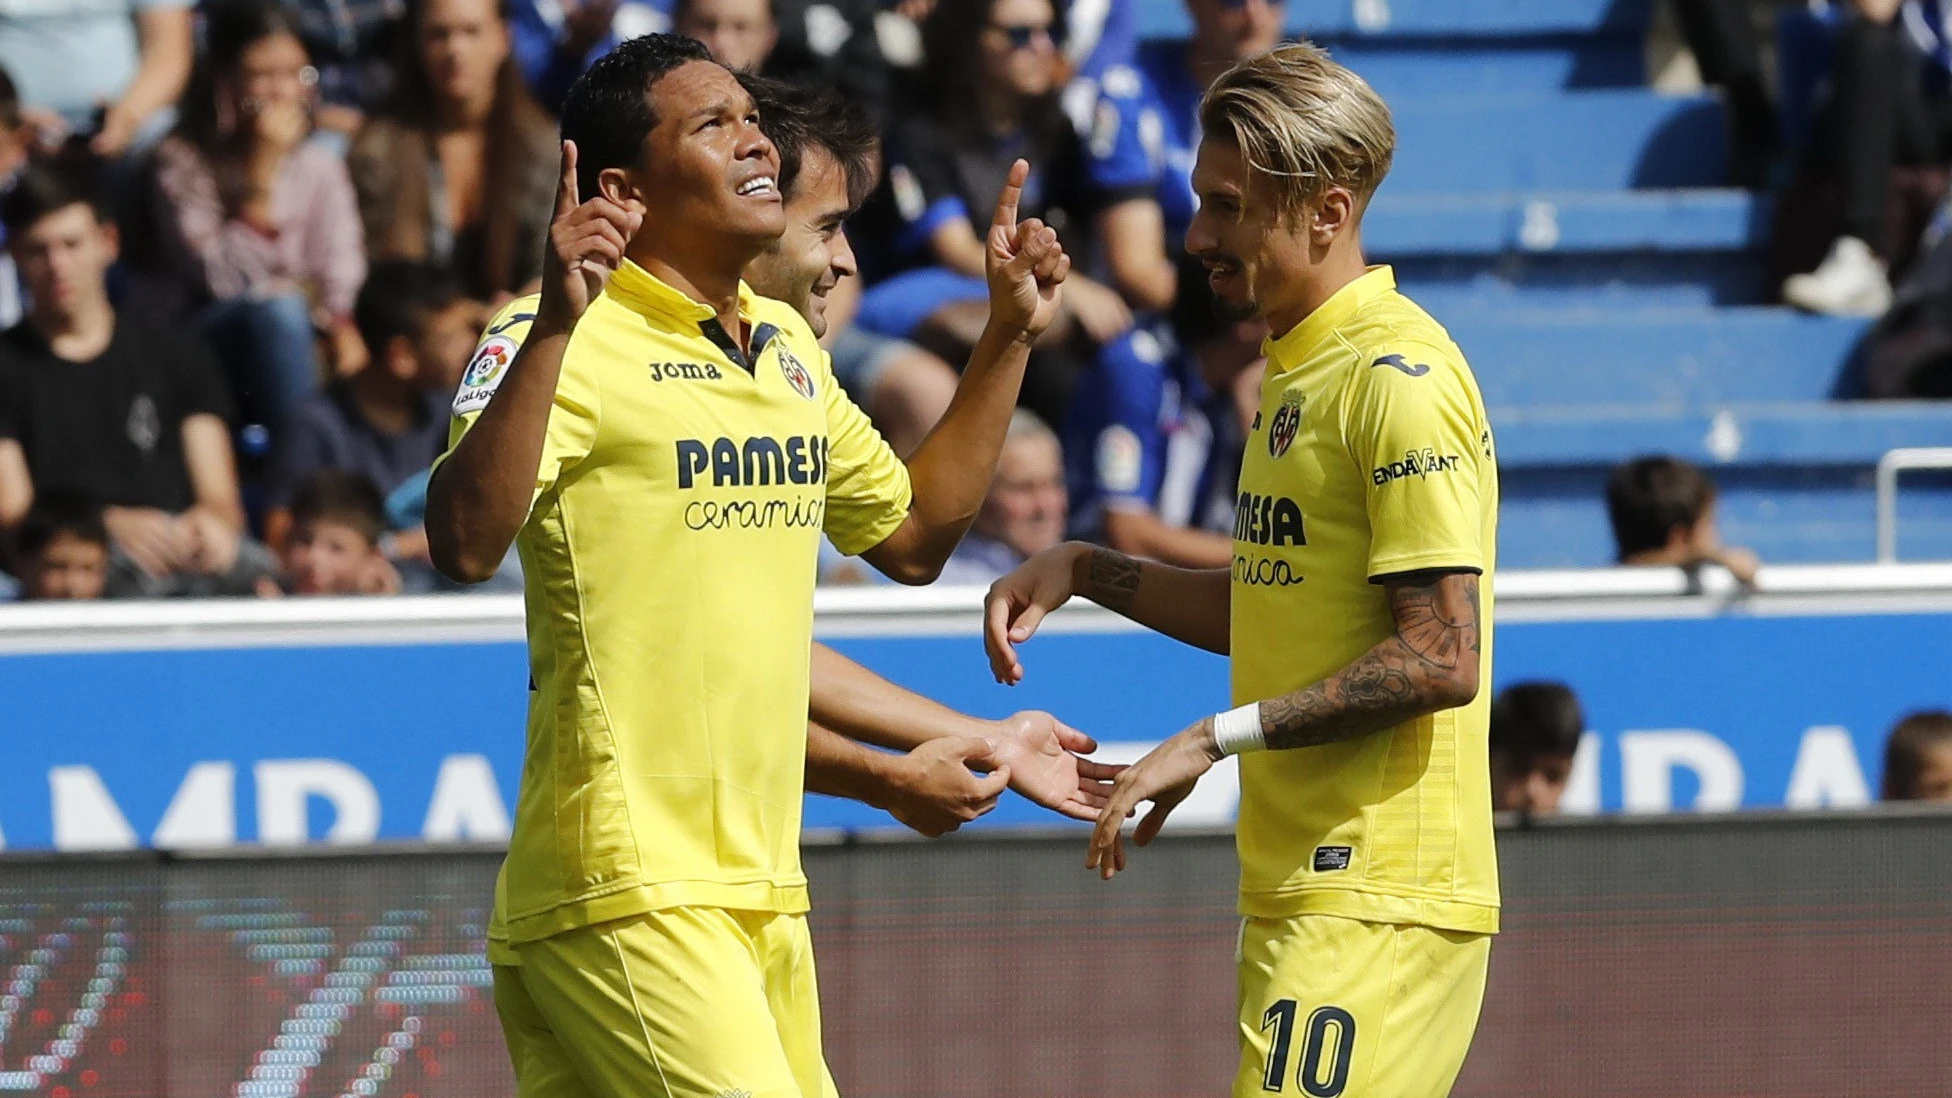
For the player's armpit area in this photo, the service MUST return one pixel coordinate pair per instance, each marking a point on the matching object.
(1429, 664)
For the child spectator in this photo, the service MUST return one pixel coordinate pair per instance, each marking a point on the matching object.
(1535, 731)
(388, 421)
(1663, 512)
(1024, 512)
(61, 550)
(104, 406)
(256, 231)
(1918, 758)
(460, 168)
(334, 548)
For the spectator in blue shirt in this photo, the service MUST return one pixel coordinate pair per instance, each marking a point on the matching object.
(555, 40)
(1154, 435)
(387, 422)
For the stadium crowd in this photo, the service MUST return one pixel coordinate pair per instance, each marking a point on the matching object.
(250, 244)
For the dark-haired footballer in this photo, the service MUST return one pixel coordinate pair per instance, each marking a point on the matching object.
(666, 449)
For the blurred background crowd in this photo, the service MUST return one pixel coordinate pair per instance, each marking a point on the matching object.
(250, 244)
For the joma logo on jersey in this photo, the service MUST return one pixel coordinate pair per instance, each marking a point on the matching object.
(1268, 520)
(1416, 463)
(756, 462)
(684, 371)
(1287, 423)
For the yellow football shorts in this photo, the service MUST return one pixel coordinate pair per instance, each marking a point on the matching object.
(691, 1002)
(1338, 1008)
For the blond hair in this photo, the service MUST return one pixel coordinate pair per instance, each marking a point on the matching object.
(1305, 122)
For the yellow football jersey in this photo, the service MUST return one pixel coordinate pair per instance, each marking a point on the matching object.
(1371, 455)
(669, 562)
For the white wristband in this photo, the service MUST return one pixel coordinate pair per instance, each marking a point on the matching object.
(1239, 730)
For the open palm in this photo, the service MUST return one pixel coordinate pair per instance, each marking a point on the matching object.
(1042, 753)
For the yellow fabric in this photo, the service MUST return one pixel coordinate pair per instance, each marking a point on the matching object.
(1371, 455)
(1370, 1010)
(684, 1002)
(669, 560)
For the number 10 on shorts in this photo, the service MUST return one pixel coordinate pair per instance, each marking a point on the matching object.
(1328, 1040)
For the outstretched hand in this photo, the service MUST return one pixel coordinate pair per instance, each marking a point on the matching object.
(586, 243)
(1018, 602)
(1026, 264)
(1165, 777)
(1043, 755)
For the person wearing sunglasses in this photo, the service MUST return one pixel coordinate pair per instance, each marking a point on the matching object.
(993, 77)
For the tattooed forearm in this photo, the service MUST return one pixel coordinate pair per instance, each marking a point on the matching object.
(1430, 663)
(1112, 580)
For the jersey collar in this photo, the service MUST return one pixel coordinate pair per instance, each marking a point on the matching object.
(1304, 338)
(658, 299)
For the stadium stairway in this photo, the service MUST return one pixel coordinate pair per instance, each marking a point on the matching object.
(1572, 229)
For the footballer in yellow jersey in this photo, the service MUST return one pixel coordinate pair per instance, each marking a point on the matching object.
(1356, 614)
(665, 451)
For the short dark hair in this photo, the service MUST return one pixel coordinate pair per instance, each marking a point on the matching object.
(57, 514)
(399, 298)
(1648, 497)
(608, 110)
(797, 117)
(1530, 719)
(1904, 752)
(342, 496)
(48, 185)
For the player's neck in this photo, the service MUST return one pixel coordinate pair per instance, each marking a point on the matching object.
(713, 281)
(1339, 267)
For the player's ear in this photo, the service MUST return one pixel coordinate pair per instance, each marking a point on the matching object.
(617, 185)
(1333, 212)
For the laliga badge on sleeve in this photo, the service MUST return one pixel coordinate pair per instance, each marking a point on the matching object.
(485, 371)
(1120, 460)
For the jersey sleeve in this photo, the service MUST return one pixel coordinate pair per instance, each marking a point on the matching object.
(1125, 140)
(1128, 456)
(868, 491)
(572, 417)
(922, 177)
(1415, 431)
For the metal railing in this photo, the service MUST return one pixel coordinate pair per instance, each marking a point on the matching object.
(1902, 460)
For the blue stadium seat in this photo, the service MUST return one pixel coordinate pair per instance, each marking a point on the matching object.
(1573, 230)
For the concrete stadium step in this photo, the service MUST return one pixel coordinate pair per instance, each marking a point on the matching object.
(1546, 222)
(1665, 359)
(1458, 285)
(1431, 18)
(1801, 435)
(1600, 140)
(1399, 67)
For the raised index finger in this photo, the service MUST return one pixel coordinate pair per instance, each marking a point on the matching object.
(566, 201)
(1007, 198)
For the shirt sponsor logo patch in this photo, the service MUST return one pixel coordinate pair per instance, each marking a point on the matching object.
(1287, 423)
(1121, 460)
(796, 374)
(1330, 858)
(1415, 463)
(484, 373)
